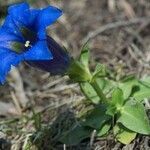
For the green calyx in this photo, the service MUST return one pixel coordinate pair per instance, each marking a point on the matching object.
(78, 72)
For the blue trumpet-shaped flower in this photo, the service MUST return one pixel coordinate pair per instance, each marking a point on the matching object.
(23, 36)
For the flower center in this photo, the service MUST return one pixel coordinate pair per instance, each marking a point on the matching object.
(27, 44)
(30, 38)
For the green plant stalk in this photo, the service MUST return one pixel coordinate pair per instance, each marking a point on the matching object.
(99, 91)
(80, 73)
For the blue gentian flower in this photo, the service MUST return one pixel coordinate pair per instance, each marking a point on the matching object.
(23, 36)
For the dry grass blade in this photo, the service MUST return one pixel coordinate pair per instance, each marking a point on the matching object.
(112, 5)
(16, 103)
(113, 25)
(18, 87)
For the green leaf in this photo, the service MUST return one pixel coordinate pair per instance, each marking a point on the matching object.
(76, 135)
(142, 91)
(123, 134)
(117, 97)
(84, 56)
(106, 85)
(111, 110)
(100, 70)
(133, 117)
(104, 130)
(139, 89)
(116, 103)
(89, 92)
(96, 118)
(127, 85)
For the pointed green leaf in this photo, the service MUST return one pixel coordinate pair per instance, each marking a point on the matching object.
(106, 85)
(133, 117)
(127, 86)
(89, 92)
(111, 110)
(84, 56)
(100, 70)
(139, 89)
(116, 102)
(142, 91)
(117, 97)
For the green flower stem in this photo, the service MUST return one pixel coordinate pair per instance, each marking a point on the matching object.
(99, 91)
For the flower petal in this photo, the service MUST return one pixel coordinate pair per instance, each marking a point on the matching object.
(10, 26)
(7, 39)
(19, 11)
(5, 35)
(7, 59)
(5, 47)
(46, 17)
(23, 15)
(39, 51)
(35, 19)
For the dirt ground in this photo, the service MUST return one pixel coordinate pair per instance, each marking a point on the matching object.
(118, 33)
